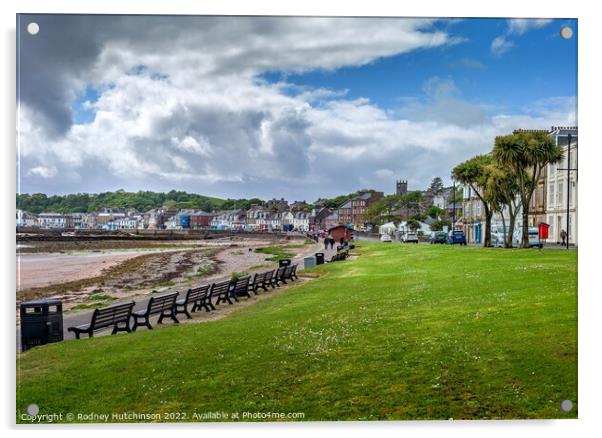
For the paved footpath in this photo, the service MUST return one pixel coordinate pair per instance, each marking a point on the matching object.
(80, 318)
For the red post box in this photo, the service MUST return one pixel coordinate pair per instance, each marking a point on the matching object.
(543, 230)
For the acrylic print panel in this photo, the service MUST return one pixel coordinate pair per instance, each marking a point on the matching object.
(282, 219)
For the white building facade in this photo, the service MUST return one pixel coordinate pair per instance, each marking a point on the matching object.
(560, 184)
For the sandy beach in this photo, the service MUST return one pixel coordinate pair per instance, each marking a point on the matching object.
(35, 270)
(128, 272)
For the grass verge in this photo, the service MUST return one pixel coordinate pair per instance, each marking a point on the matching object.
(404, 332)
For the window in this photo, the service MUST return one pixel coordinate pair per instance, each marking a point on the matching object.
(551, 195)
(560, 193)
(478, 208)
(573, 192)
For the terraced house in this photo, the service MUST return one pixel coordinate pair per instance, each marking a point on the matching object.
(353, 212)
(258, 218)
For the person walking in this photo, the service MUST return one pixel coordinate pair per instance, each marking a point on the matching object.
(563, 236)
(326, 242)
(330, 240)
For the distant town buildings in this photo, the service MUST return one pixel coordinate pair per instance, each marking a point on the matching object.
(548, 205)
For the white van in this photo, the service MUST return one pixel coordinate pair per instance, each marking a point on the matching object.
(534, 240)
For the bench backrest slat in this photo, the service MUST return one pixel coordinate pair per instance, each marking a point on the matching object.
(242, 284)
(220, 288)
(259, 278)
(161, 303)
(198, 293)
(111, 315)
(268, 275)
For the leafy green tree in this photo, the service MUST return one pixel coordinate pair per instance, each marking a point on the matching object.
(436, 186)
(384, 210)
(438, 225)
(413, 224)
(475, 173)
(527, 153)
(502, 189)
(435, 212)
(412, 202)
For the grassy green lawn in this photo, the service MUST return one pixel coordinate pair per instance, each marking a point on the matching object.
(402, 332)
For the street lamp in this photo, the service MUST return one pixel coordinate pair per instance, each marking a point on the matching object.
(454, 204)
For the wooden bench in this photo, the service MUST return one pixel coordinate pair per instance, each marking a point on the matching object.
(111, 316)
(339, 256)
(163, 305)
(240, 287)
(290, 273)
(261, 280)
(221, 291)
(277, 277)
(198, 296)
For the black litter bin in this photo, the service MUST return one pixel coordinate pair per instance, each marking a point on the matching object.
(41, 323)
(284, 262)
(319, 258)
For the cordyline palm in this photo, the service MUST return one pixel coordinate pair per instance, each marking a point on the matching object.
(475, 172)
(527, 153)
(502, 188)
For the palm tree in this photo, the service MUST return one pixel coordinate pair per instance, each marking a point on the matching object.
(527, 153)
(475, 172)
(502, 189)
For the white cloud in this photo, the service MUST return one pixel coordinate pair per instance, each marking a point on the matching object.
(516, 27)
(500, 45)
(519, 26)
(190, 144)
(199, 118)
(43, 171)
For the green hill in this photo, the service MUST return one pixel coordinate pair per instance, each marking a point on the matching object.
(402, 332)
(141, 201)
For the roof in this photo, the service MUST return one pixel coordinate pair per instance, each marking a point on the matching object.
(346, 204)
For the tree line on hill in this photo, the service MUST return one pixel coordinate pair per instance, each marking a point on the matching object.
(141, 201)
(146, 200)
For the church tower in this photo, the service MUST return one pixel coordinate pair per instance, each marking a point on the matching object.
(402, 188)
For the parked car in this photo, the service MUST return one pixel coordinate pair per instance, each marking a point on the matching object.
(498, 238)
(410, 238)
(456, 237)
(534, 240)
(439, 237)
(385, 238)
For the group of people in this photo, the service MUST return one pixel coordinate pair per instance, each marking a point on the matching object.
(329, 241)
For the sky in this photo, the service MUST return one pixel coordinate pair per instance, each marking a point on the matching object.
(293, 107)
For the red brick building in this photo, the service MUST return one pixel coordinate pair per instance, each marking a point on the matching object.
(200, 220)
(341, 231)
(353, 212)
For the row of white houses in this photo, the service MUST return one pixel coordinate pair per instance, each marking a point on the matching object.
(254, 219)
(259, 219)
